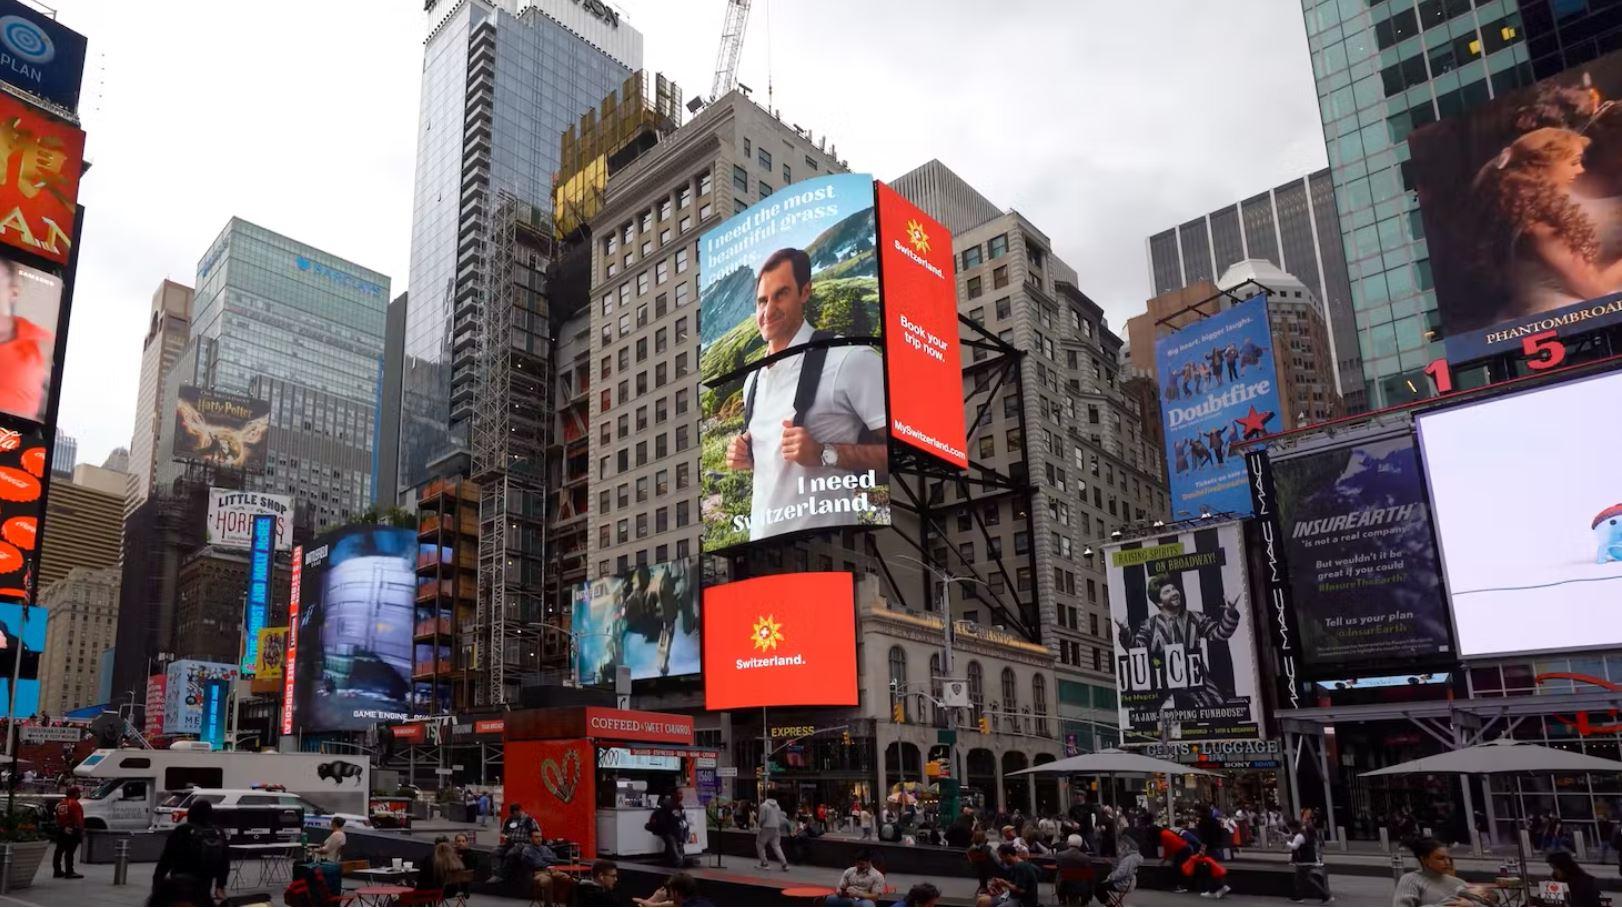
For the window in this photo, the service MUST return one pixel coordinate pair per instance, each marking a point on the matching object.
(682, 513)
(765, 189)
(988, 446)
(810, 162)
(747, 148)
(642, 489)
(977, 686)
(999, 276)
(681, 329)
(641, 349)
(898, 677)
(681, 438)
(740, 178)
(1039, 703)
(974, 287)
(1005, 307)
(664, 209)
(682, 475)
(998, 247)
(641, 453)
(661, 339)
(681, 401)
(681, 268)
(787, 176)
(659, 375)
(1010, 692)
(971, 257)
(703, 187)
(661, 487)
(661, 520)
(661, 273)
(765, 158)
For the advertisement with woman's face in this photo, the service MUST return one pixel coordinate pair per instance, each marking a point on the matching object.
(1522, 208)
(30, 306)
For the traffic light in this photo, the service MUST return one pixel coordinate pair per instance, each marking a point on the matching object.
(985, 725)
(898, 713)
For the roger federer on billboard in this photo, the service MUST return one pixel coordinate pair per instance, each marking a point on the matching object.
(815, 444)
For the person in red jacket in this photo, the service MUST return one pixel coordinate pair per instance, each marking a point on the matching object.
(26, 350)
(69, 833)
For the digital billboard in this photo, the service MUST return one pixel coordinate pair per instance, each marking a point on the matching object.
(353, 642)
(797, 442)
(39, 187)
(30, 310)
(1545, 571)
(23, 477)
(646, 619)
(272, 655)
(231, 514)
(1519, 204)
(782, 640)
(155, 687)
(261, 567)
(295, 597)
(221, 429)
(1219, 387)
(40, 55)
(922, 358)
(186, 692)
(1363, 570)
(22, 635)
(1184, 651)
(211, 728)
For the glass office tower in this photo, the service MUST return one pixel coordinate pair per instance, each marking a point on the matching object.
(1384, 68)
(501, 82)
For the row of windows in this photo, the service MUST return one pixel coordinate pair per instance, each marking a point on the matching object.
(638, 234)
(996, 248)
(1005, 710)
(1070, 653)
(660, 554)
(659, 488)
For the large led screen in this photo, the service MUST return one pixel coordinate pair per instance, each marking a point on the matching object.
(186, 691)
(1363, 569)
(782, 640)
(1528, 513)
(922, 357)
(22, 634)
(796, 442)
(221, 429)
(1219, 387)
(1185, 655)
(1522, 203)
(42, 158)
(646, 619)
(23, 478)
(231, 513)
(356, 614)
(31, 305)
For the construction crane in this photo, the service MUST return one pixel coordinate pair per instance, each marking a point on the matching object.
(726, 56)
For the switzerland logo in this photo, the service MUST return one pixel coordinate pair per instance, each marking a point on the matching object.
(916, 236)
(767, 634)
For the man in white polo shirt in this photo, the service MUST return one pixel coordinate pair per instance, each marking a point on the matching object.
(799, 435)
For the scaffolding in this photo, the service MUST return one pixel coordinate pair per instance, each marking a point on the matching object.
(490, 430)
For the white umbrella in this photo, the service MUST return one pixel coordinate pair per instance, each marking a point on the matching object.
(1115, 763)
(1501, 756)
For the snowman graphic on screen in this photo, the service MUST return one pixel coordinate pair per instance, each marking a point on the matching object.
(1608, 532)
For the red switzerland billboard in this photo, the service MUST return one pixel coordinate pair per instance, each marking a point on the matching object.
(39, 187)
(923, 362)
(783, 640)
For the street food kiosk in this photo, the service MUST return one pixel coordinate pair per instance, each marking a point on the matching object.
(594, 775)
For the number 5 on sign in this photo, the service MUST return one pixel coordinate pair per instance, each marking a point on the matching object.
(1543, 350)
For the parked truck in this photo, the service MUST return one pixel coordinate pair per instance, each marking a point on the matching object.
(124, 787)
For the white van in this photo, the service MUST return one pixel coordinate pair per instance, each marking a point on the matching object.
(172, 812)
(123, 787)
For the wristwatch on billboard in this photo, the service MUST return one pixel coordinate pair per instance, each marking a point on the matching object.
(830, 457)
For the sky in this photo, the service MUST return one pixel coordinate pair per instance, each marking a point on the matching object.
(1102, 121)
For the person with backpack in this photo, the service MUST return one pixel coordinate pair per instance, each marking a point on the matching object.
(194, 860)
(808, 419)
(1305, 856)
(69, 833)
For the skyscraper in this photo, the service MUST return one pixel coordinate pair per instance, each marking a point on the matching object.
(501, 82)
(1070, 429)
(1383, 70)
(301, 329)
(1295, 227)
(81, 613)
(64, 454)
(168, 326)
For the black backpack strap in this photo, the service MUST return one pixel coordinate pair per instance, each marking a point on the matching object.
(805, 391)
(750, 384)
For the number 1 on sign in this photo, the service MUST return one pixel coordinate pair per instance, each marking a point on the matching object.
(1441, 376)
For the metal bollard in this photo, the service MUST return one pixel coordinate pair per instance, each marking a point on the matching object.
(1340, 837)
(1397, 869)
(1526, 841)
(121, 862)
(5, 870)
(1385, 839)
(1579, 845)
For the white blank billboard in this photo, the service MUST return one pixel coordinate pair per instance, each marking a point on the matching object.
(1526, 491)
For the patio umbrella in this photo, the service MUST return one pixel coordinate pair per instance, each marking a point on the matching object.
(1501, 757)
(1115, 763)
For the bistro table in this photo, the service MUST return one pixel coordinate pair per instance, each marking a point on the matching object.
(809, 893)
(273, 858)
(381, 895)
(386, 875)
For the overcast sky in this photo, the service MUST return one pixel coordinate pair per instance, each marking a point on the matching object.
(1101, 120)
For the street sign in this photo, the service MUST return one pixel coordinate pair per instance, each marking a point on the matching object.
(946, 736)
(38, 734)
(456, 766)
(442, 771)
(955, 694)
(727, 772)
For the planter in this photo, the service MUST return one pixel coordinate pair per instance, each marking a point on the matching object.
(25, 860)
